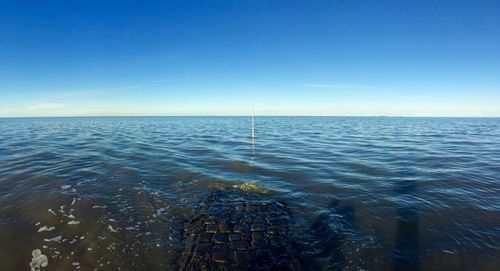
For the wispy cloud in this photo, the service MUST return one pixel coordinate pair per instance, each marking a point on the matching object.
(45, 105)
(81, 94)
(420, 98)
(89, 93)
(5, 109)
(338, 86)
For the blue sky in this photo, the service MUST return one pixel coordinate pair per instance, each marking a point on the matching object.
(410, 58)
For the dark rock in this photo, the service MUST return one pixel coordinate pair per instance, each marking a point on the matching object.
(257, 227)
(258, 236)
(241, 228)
(205, 237)
(239, 245)
(211, 228)
(225, 227)
(219, 238)
(234, 237)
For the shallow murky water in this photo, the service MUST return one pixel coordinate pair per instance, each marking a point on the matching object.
(364, 193)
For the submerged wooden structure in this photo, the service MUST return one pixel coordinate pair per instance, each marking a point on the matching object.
(236, 231)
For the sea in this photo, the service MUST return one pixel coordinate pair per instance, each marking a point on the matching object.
(363, 193)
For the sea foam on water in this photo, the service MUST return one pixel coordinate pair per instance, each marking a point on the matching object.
(111, 228)
(55, 239)
(38, 260)
(45, 228)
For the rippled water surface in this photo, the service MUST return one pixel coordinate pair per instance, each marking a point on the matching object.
(363, 193)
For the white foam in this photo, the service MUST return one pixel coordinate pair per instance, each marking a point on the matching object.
(76, 263)
(45, 228)
(66, 186)
(73, 202)
(111, 228)
(52, 212)
(37, 223)
(99, 206)
(55, 239)
(71, 216)
(39, 260)
(73, 222)
(159, 211)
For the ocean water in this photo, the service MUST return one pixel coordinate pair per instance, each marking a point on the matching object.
(363, 193)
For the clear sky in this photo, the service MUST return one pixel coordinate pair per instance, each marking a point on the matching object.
(349, 57)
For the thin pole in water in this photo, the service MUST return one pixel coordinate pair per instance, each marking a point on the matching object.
(253, 140)
(253, 128)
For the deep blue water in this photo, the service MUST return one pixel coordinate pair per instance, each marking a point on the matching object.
(364, 193)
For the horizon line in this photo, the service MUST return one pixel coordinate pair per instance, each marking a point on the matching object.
(159, 116)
